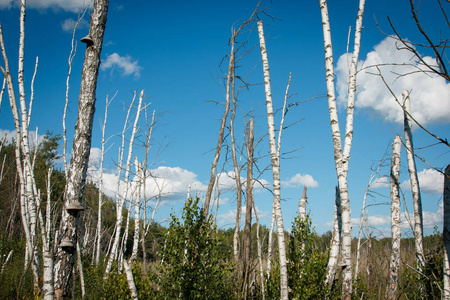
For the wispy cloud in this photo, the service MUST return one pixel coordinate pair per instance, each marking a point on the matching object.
(126, 65)
(69, 24)
(430, 181)
(170, 182)
(66, 5)
(428, 91)
(299, 180)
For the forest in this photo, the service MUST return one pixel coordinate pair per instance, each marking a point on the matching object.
(70, 228)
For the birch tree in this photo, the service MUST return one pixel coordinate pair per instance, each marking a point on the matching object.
(275, 166)
(342, 155)
(335, 242)
(446, 234)
(415, 189)
(120, 199)
(394, 264)
(29, 196)
(81, 148)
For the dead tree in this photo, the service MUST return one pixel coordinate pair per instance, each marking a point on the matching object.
(394, 265)
(446, 234)
(275, 161)
(342, 154)
(64, 259)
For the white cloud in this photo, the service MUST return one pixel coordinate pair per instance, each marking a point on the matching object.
(428, 92)
(94, 157)
(380, 182)
(169, 182)
(11, 135)
(430, 181)
(229, 217)
(300, 180)
(125, 64)
(69, 24)
(66, 5)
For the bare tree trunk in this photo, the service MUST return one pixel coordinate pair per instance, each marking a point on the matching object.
(81, 147)
(130, 280)
(237, 176)
(248, 208)
(302, 205)
(335, 242)
(446, 234)
(394, 265)
(415, 189)
(136, 210)
(144, 195)
(100, 189)
(275, 167)
(342, 156)
(258, 242)
(121, 199)
(28, 194)
(47, 287)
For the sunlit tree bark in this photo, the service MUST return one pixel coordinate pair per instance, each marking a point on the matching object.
(248, 207)
(394, 265)
(446, 233)
(415, 189)
(275, 166)
(81, 147)
(335, 242)
(342, 156)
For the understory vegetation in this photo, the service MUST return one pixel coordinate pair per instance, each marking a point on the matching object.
(192, 258)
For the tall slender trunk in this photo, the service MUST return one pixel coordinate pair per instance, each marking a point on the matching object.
(248, 207)
(121, 198)
(28, 193)
(100, 190)
(446, 233)
(136, 210)
(335, 242)
(302, 205)
(415, 189)
(394, 265)
(275, 167)
(342, 156)
(81, 147)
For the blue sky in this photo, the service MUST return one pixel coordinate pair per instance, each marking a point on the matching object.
(173, 50)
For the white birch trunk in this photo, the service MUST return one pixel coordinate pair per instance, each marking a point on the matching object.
(341, 157)
(302, 205)
(275, 166)
(136, 211)
(47, 251)
(121, 199)
(335, 242)
(415, 189)
(446, 234)
(130, 280)
(81, 147)
(394, 265)
(100, 190)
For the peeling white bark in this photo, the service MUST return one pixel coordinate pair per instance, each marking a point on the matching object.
(335, 242)
(81, 147)
(446, 234)
(121, 199)
(130, 280)
(394, 264)
(415, 189)
(342, 156)
(275, 167)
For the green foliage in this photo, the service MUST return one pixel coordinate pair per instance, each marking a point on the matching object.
(193, 266)
(306, 265)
